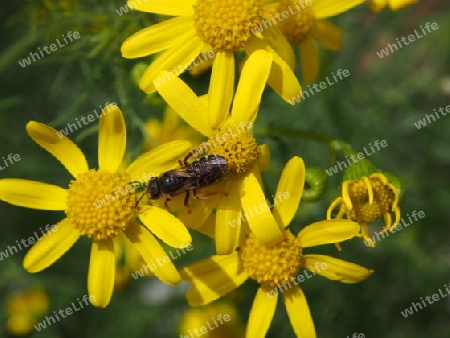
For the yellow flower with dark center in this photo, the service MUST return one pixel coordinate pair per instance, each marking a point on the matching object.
(366, 200)
(221, 318)
(277, 268)
(304, 24)
(203, 30)
(234, 141)
(395, 5)
(24, 309)
(100, 204)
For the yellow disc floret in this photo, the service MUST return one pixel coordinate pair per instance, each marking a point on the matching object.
(227, 24)
(240, 150)
(100, 204)
(274, 265)
(297, 25)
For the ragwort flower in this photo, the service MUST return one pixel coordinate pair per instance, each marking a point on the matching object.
(277, 266)
(219, 27)
(305, 24)
(366, 200)
(100, 204)
(234, 141)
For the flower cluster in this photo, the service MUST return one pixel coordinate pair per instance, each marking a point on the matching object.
(203, 166)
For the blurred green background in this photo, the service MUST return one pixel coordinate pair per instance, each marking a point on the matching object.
(381, 100)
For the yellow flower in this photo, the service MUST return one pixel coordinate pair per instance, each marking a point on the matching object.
(24, 309)
(100, 204)
(245, 159)
(277, 266)
(366, 200)
(395, 5)
(172, 127)
(219, 27)
(221, 320)
(305, 24)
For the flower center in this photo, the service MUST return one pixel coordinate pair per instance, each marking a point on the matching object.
(100, 204)
(227, 24)
(363, 211)
(273, 265)
(240, 150)
(297, 25)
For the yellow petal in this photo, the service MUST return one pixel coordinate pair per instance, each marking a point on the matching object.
(257, 212)
(155, 38)
(213, 277)
(335, 269)
(325, 8)
(196, 213)
(228, 219)
(298, 311)
(51, 247)
(221, 88)
(166, 7)
(166, 227)
(57, 144)
(152, 253)
(281, 78)
(157, 160)
(326, 232)
(310, 60)
(327, 34)
(289, 191)
(101, 273)
(208, 228)
(397, 5)
(112, 138)
(32, 194)
(279, 44)
(172, 62)
(253, 80)
(189, 106)
(261, 314)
